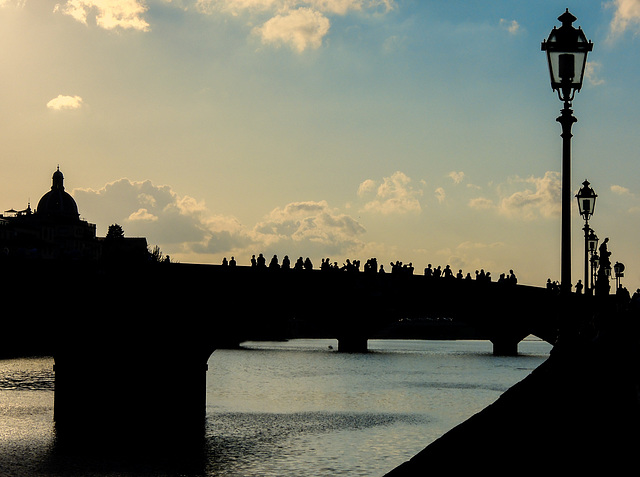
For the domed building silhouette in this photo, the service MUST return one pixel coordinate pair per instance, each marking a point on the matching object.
(53, 231)
(58, 204)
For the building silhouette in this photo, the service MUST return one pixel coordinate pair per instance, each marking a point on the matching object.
(55, 231)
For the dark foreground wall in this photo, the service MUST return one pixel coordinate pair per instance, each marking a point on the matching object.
(578, 412)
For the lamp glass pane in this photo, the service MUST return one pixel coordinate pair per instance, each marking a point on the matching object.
(559, 63)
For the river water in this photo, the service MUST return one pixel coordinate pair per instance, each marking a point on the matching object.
(296, 408)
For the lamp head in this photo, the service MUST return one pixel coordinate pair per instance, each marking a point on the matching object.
(567, 49)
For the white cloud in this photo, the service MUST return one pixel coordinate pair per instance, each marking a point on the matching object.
(301, 24)
(16, 3)
(528, 198)
(626, 15)
(302, 28)
(338, 7)
(65, 102)
(481, 203)
(366, 187)
(394, 195)
(440, 194)
(309, 225)
(342, 7)
(236, 7)
(184, 227)
(619, 190)
(591, 73)
(144, 209)
(108, 14)
(511, 26)
(456, 177)
(142, 215)
(543, 200)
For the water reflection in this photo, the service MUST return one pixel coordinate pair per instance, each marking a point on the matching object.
(285, 409)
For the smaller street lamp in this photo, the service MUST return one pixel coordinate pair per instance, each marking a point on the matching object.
(586, 205)
(586, 200)
(592, 244)
(595, 261)
(592, 241)
(618, 268)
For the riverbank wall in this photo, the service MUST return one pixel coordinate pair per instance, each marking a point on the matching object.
(577, 412)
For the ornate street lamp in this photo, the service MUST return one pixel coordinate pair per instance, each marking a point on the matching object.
(592, 242)
(586, 205)
(586, 200)
(567, 49)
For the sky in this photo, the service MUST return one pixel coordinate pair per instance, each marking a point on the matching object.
(419, 131)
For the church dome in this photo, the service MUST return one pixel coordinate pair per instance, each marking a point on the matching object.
(57, 203)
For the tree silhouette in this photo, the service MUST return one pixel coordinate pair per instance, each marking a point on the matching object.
(115, 232)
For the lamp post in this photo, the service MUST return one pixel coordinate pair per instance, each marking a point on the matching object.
(595, 260)
(592, 244)
(618, 268)
(567, 49)
(587, 205)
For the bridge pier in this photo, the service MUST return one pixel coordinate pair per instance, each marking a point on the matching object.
(505, 346)
(129, 401)
(353, 344)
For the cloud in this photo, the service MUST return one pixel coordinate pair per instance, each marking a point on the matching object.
(337, 7)
(180, 225)
(302, 28)
(342, 7)
(144, 209)
(65, 102)
(591, 73)
(16, 3)
(394, 195)
(309, 226)
(440, 194)
(543, 200)
(619, 190)
(626, 15)
(300, 24)
(142, 215)
(481, 203)
(456, 177)
(184, 227)
(511, 26)
(527, 198)
(366, 187)
(108, 14)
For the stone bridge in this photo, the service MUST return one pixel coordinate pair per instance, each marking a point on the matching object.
(117, 333)
(353, 307)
